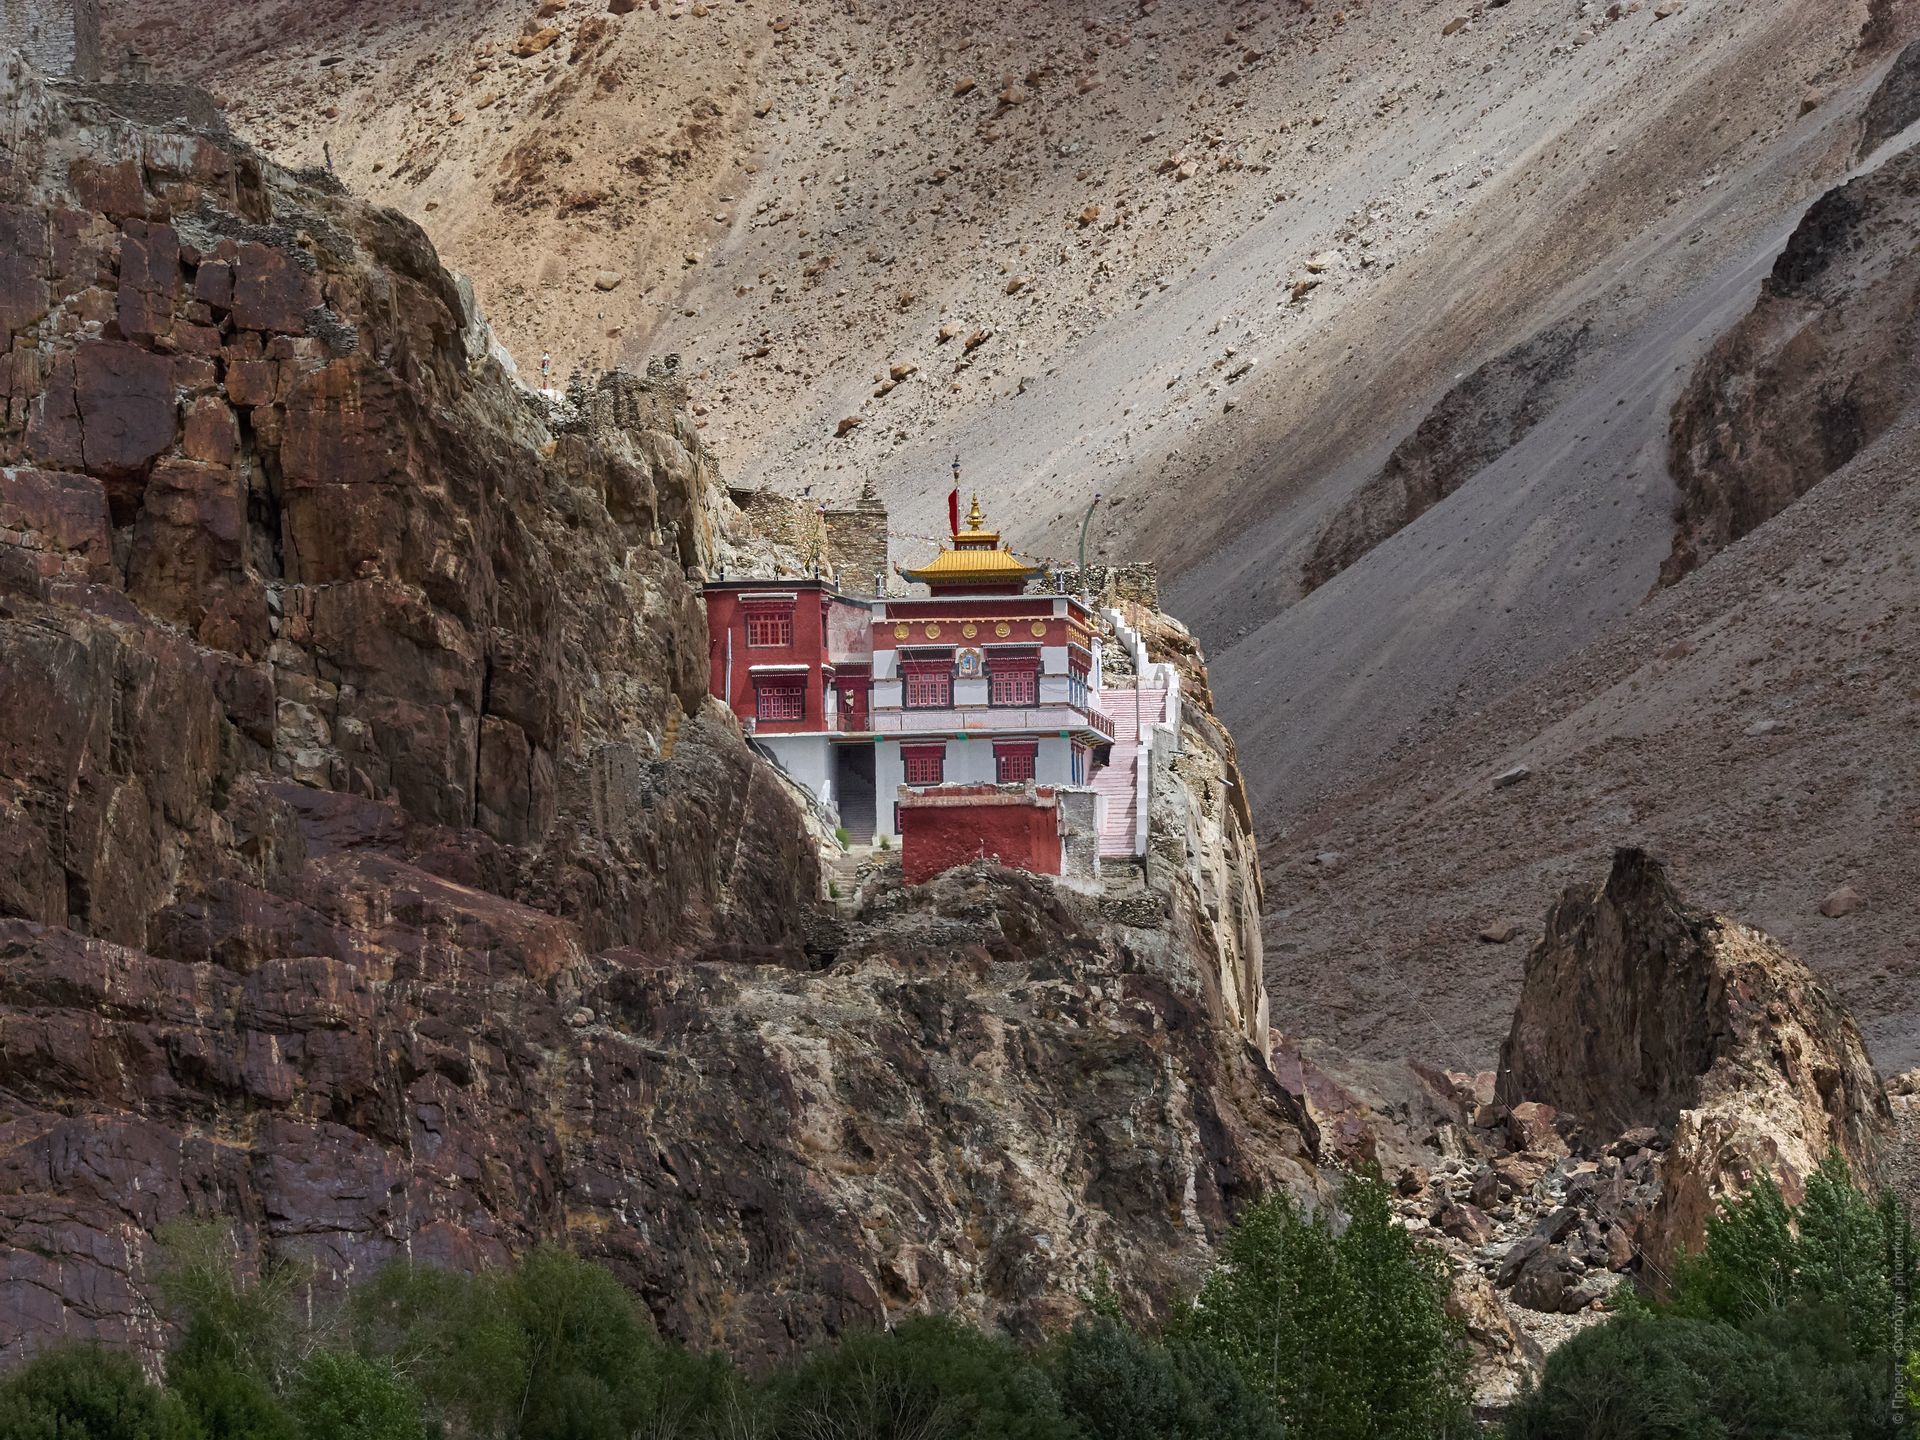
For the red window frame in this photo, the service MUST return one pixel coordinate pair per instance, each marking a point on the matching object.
(770, 629)
(924, 764)
(929, 684)
(1015, 760)
(1011, 687)
(1013, 677)
(779, 700)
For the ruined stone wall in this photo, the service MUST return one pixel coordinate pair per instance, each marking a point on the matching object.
(1137, 584)
(857, 545)
(796, 525)
(58, 37)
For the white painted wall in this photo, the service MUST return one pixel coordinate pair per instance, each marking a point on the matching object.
(1053, 763)
(969, 762)
(889, 774)
(808, 759)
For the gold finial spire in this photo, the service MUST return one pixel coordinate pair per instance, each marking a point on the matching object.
(974, 518)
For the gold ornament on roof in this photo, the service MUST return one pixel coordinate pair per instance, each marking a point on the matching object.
(977, 556)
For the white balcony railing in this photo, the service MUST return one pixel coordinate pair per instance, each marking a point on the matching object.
(987, 718)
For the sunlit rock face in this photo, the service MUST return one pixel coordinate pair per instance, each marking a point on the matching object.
(375, 870)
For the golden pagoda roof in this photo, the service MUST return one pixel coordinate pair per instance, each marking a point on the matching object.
(976, 557)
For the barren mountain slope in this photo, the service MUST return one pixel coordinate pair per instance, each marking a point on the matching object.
(799, 196)
(1755, 721)
(1755, 725)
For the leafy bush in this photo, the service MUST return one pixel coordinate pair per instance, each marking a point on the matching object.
(85, 1392)
(552, 1348)
(929, 1379)
(1786, 1323)
(1344, 1328)
(342, 1396)
(228, 1404)
(1647, 1376)
(1118, 1384)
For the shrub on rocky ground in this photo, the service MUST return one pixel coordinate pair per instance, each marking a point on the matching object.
(1329, 1325)
(1787, 1323)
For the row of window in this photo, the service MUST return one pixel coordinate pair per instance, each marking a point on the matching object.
(786, 700)
(1013, 762)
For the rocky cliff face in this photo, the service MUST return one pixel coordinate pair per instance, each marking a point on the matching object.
(1819, 369)
(1639, 1012)
(374, 869)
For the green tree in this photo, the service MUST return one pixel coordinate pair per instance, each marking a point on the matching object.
(1789, 1321)
(1343, 1326)
(87, 1392)
(1841, 1249)
(449, 1334)
(227, 1321)
(1748, 1265)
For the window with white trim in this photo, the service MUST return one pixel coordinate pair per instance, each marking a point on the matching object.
(780, 700)
(769, 629)
(1013, 678)
(1013, 761)
(928, 683)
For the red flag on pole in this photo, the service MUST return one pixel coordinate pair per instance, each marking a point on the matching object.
(953, 500)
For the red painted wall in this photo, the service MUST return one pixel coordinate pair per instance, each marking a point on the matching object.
(935, 838)
(826, 628)
(726, 615)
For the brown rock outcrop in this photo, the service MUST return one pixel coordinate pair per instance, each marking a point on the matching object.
(1819, 369)
(1895, 104)
(1480, 418)
(375, 870)
(1640, 1011)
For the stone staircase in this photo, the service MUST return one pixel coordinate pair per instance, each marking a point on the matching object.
(845, 875)
(1133, 713)
(857, 817)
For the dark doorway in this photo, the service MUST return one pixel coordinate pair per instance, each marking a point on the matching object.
(853, 784)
